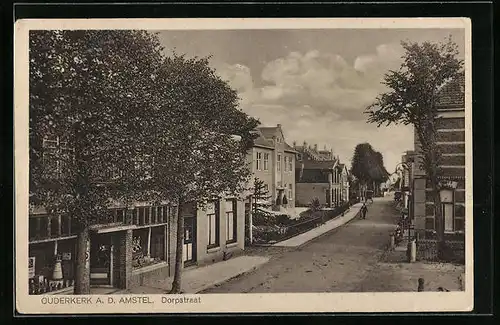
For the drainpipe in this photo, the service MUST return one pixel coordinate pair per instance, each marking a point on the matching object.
(250, 221)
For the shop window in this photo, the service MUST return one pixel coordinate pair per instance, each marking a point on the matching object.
(148, 246)
(153, 215)
(139, 247)
(158, 243)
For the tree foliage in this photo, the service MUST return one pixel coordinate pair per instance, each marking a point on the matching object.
(137, 125)
(411, 98)
(87, 94)
(260, 193)
(368, 165)
(87, 88)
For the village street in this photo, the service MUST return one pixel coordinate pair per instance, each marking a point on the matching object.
(347, 259)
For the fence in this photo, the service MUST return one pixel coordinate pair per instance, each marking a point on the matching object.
(454, 251)
(284, 229)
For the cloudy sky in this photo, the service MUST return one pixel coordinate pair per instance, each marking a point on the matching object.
(315, 83)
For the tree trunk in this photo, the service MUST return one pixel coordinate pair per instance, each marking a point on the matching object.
(82, 267)
(179, 263)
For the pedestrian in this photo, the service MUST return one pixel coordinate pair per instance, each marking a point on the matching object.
(364, 210)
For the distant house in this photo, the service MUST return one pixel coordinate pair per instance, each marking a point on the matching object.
(451, 141)
(272, 161)
(320, 175)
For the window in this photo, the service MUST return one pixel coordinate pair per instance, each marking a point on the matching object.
(286, 163)
(259, 161)
(266, 161)
(231, 221)
(447, 198)
(448, 216)
(213, 224)
(266, 187)
(290, 164)
(290, 191)
(278, 163)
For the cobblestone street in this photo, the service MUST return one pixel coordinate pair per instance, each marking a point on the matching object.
(347, 259)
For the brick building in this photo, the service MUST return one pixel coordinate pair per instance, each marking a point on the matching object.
(320, 175)
(451, 141)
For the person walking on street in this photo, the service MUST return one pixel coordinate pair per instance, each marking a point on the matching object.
(364, 209)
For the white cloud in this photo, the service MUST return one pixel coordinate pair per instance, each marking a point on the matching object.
(320, 98)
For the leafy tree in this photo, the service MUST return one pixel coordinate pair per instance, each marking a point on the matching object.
(191, 140)
(260, 193)
(411, 100)
(87, 90)
(367, 167)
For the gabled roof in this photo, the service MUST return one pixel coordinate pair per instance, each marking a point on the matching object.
(452, 95)
(266, 133)
(318, 164)
(289, 148)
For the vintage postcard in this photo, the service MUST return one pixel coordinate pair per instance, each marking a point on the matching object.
(243, 165)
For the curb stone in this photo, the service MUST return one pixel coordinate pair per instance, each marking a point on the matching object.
(215, 283)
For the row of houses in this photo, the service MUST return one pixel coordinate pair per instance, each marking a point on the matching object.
(134, 244)
(415, 188)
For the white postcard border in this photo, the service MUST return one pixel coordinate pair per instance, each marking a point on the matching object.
(215, 303)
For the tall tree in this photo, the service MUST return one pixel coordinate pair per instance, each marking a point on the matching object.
(191, 140)
(260, 193)
(87, 91)
(368, 167)
(411, 100)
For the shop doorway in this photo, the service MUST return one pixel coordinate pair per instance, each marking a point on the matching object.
(101, 259)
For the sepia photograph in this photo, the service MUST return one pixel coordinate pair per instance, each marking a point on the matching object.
(217, 165)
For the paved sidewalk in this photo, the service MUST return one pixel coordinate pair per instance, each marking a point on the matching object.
(202, 278)
(318, 231)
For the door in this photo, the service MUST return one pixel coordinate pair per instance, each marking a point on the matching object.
(448, 216)
(189, 248)
(101, 259)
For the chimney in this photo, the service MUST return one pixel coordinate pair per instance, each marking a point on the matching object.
(305, 145)
(295, 144)
(316, 147)
(324, 148)
(279, 126)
